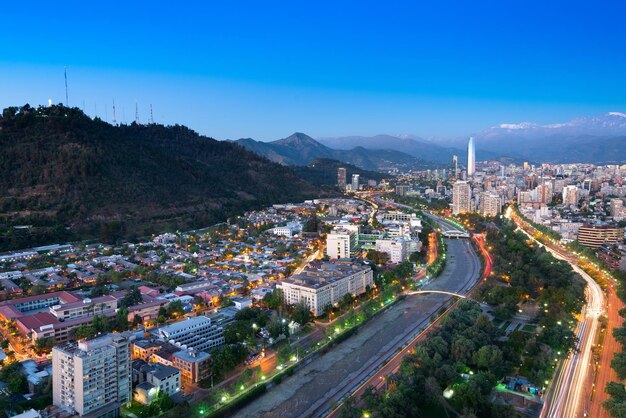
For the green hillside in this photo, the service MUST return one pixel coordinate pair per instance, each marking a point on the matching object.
(66, 176)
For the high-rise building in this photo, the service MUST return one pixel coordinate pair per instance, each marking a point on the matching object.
(461, 197)
(471, 157)
(454, 166)
(92, 377)
(570, 195)
(491, 204)
(402, 189)
(341, 178)
(355, 182)
(617, 209)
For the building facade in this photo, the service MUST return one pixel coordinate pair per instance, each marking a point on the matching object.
(471, 157)
(92, 377)
(199, 334)
(594, 236)
(461, 197)
(323, 284)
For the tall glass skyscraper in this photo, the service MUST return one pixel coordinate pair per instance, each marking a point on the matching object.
(471, 157)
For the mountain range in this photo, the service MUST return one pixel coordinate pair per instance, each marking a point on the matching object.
(300, 149)
(593, 139)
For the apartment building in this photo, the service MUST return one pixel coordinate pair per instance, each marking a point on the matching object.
(324, 283)
(342, 241)
(461, 197)
(193, 365)
(92, 377)
(594, 236)
(199, 334)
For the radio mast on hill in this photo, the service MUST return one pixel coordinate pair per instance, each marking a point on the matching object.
(136, 113)
(151, 115)
(114, 121)
(67, 101)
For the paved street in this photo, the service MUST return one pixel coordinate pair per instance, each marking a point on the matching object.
(316, 387)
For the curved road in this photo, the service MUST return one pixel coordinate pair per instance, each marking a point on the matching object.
(570, 391)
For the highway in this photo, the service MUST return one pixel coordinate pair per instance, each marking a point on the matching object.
(570, 391)
(316, 388)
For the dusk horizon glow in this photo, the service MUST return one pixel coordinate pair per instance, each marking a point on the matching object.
(246, 70)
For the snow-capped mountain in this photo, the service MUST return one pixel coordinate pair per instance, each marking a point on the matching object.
(608, 124)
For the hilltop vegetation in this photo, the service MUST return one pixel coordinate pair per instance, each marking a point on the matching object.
(65, 176)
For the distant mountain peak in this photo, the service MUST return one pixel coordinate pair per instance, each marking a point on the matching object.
(298, 139)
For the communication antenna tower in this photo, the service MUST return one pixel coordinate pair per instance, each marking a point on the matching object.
(67, 101)
(151, 115)
(114, 121)
(136, 113)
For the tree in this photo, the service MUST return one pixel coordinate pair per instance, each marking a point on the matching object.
(283, 354)
(83, 331)
(274, 300)
(276, 326)
(44, 345)
(616, 404)
(175, 309)
(301, 313)
(137, 320)
(133, 297)
(121, 319)
(238, 331)
(619, 365)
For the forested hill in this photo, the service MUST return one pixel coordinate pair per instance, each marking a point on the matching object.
(70, 177)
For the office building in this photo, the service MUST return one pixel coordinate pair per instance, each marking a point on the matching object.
(454, 166)
(471, 157)
(398, 249)
(92, 377)
(461, 197)
(355, 182)
(198, 333)
(402, 189)
(322, 284)
(594, 236)
(341, 178)
(342, 241)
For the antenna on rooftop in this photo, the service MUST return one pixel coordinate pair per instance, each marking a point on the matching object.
(67, 101)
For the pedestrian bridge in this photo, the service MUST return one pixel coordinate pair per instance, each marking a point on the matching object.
(454, 233)
(442, 292)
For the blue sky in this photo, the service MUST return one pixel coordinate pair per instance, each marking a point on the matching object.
(328, 68)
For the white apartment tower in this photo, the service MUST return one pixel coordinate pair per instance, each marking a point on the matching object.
(570, 195)
(342, 241)
(461, 197)
(491, 204)
(92, 377)
(617, 209)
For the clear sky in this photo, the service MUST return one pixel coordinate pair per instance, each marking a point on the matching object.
(264, 69)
